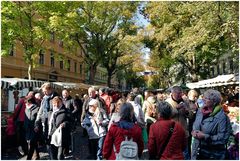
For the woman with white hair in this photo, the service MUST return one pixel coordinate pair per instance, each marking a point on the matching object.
(211, 129)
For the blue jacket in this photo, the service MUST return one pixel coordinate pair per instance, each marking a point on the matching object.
(217, 130)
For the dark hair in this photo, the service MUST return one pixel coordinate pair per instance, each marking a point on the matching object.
(164, 109)
(125, 112)
(176, 89)
(30, 100)
(131, 96)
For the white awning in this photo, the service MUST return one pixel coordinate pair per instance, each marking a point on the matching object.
(21, 83)
(221, 80)
(69, 85)
(4, 84)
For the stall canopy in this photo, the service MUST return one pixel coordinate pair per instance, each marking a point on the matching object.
(69, 85)
(221, 80)
(5, 84)
(20, 83)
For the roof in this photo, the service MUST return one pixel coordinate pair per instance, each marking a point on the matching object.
(220, 80)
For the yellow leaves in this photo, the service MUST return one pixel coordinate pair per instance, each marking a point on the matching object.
(72, 15)
(55, 22)
(39, 32)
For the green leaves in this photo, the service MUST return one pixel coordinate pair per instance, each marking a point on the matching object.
(193, 33)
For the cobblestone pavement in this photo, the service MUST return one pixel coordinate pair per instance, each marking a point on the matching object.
(79, 150)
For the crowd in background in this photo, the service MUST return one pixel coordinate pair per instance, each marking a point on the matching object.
(177, 124)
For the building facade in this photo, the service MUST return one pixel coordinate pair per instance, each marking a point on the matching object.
(55, 63)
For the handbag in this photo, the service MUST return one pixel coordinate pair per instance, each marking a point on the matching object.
(167, 140)
(56, 138)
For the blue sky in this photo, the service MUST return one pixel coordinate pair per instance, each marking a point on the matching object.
(142, 22)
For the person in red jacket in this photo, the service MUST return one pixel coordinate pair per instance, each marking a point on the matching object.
(19, 117)
(159, 146)
(125, 127)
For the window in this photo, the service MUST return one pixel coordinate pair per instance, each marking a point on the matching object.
(52, 37)
(212, 71)
(11, 51)
(231, 65)
(61, 43)
(80, 69)
(41, 57)
(69, 65)
(61, 64)
(75, 67)
(218, 69)
(52, 59)
(224, 68)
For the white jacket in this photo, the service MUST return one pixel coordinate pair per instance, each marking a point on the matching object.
(93, 128)
(138, 112)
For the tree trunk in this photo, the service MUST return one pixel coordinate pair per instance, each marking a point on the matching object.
(194, 77)
(30, 66)
(109, 79)
(93, 70)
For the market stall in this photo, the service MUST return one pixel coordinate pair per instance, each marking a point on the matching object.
(74, 88)
(221, 80)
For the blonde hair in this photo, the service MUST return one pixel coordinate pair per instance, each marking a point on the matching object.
(56, 99)
(46, 85)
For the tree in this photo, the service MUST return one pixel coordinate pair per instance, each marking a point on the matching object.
(194, 33)
(23, 22)
(96, 27)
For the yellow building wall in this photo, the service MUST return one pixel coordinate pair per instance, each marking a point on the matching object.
(14, 66)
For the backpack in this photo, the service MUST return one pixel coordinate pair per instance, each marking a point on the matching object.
(128, 150)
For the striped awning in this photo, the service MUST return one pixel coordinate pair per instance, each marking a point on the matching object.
(56, 86)
(4, 84)
(19, 83)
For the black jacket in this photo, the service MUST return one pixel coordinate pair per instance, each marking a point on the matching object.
(30, 117)
(62, 116)
(70, 104)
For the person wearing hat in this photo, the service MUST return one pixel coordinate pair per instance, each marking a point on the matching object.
(95, 122)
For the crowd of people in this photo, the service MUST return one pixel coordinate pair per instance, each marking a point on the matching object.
(177, 125)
